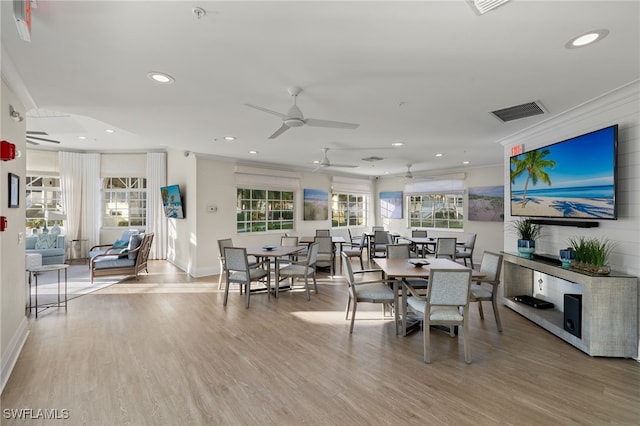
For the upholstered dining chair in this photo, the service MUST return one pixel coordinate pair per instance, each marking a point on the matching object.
(446, 248)
(238, 271)
(467, 249)
(303, 269)
(290, 241)
(372, 291)
(355, 249)
(326, 255)
(419, 233)
(446, 303)
(486, 289)
(379, 243)
(222, 244)
(403, 251)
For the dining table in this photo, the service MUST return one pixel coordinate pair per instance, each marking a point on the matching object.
(402, 270)
(426, 244)
(276, 253)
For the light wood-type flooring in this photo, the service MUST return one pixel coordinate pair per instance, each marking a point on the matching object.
(164, 351)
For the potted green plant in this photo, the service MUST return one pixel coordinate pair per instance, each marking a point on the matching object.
(591, 254)
(527, 232)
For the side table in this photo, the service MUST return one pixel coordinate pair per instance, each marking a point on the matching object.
(37, 270)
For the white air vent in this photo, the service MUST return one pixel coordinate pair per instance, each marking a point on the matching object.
(483, 6)
(372, 159)
(519, 111)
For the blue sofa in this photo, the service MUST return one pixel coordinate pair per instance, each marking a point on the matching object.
(52, 248)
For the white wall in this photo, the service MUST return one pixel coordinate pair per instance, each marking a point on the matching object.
(489, 234)
(13, 322)
(620, 106)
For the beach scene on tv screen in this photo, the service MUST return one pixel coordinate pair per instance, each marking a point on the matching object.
(172, 202)
(573, 179)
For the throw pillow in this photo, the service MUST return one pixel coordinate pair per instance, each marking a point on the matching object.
(134, 243)
(120, 244)
(123, 253)
(46, 241)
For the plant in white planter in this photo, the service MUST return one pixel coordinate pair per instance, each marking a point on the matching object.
(527, 232)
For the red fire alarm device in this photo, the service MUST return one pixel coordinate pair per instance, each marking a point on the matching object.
(3, 223)
(7, 151)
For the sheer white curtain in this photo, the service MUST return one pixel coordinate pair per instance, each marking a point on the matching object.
(80, 187)
(156, 221)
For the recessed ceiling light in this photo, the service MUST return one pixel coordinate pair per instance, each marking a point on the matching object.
(397, 144)
(316, 161)
(586, 39)
(439, 155)
(109, 130)
(82, 137)
(160, 77)
(252, 152)
(465, 162)
(229, 138)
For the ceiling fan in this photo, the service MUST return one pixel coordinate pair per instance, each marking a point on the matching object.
(294, 117)
(324, 163)
(35, 140)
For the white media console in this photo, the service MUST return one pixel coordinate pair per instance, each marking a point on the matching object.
(609, 305)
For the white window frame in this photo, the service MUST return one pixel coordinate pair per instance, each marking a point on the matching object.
(122, 208)
(451, 203)
(268, 210)
(354, 208)
(50, 198)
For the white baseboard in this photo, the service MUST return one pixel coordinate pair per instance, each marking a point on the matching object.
(10, 357)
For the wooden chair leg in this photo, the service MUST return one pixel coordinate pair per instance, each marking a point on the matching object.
(427, 341)
(465, 340)
(496, 313)
(480, 309)
(346, 312)
(353, 316)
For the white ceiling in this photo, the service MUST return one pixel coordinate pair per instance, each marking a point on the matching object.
(425, 73)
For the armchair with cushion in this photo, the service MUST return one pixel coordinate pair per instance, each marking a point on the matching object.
(51, 247)
(115, 247)
(128, 261)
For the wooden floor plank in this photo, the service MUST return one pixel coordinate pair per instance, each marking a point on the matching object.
(164, 351)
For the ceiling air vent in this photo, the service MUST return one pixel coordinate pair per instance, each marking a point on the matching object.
(519, 111)
(372, 159)
(483, 6)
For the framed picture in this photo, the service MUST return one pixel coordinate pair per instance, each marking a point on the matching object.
(14, 190)
(316, 204)
(391, 205)
(486, 203)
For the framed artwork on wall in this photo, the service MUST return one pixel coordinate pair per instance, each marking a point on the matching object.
(14, 191)
(391, 205)
(316, 204)
(486, 203)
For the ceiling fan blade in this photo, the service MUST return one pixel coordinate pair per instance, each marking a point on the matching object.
(268, 111)
(32, 142)
(36, 132)
(328, 123)
(280, 131)
(347, 166)
(42, 139)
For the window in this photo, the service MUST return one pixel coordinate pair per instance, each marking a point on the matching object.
(261, 210)
(442, 211)
(42, 194)
(125, 201)
(348, 210)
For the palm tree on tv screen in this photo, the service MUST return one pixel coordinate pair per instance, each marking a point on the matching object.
(533, 163)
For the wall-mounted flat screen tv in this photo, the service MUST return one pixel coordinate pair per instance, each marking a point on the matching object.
(172, 202)
(575, 178)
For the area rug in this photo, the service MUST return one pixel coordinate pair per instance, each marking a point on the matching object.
(78, 284)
